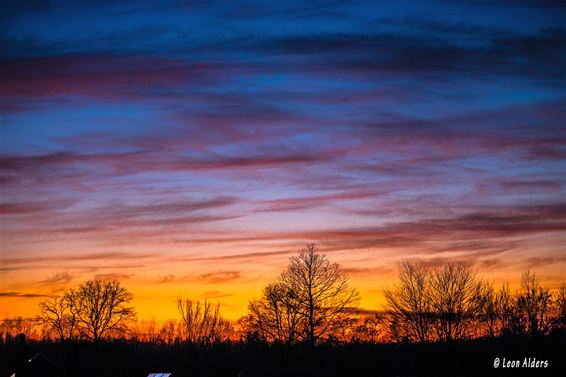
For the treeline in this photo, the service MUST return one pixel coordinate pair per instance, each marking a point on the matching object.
(448, 302)
(310, 303)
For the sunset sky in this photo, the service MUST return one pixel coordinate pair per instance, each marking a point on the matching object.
(188, 148)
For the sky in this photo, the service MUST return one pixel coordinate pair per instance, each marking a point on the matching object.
(189, 148)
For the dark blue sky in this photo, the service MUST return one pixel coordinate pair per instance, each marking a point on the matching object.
(151, 133)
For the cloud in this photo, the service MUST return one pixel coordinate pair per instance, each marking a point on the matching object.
(165, 279)
(10, 269)
(474, 233)
(405, 54)
(33, 207)
(123, 223)
(216, 294)
(111, 76)
(166, 213)
(57, 279)
(220, 277)
(536, 262)
(525, 220)
(76, 257)
(102, 75)
(143, 162)
(367, 270)
(492, 263)
(256, 255)
(551, 152)
(449, 27)
(520, 3)
(532, 185)
(17, 294)
(310, 202)
(259, 160)
(112, 276)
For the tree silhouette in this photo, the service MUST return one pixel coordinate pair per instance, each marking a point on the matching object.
(203, 324)
(275, 315)
(499, 313)
(101, 308)
(60, 314)
(560, 319)
(311, 297)
(369, 329)
(535, 303)
(454, 299)
(431, 303)
(322, 292)
(408, 304)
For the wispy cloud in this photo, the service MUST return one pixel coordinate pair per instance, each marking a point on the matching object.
(226, 257)
(165, 279)
(57, 279)
(74, 257)
(220, 277)
(112, 276)
(16, 294)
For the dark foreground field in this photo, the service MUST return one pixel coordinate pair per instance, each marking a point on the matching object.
(468, 358)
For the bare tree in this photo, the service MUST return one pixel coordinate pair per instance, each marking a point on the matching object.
(168, 332)
(275, 316)
(535, 303)
(101, 308)
(203, 324)
(441, 303)
(408, 303)
(507, 309)
(489, 310)
(369, 329)
(499, 313)
(26, 327)
(454, 299)
(560, 305)
(322, 293)
(308, 302)
(59, 313)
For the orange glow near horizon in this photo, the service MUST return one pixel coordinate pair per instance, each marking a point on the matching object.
(157, 281)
